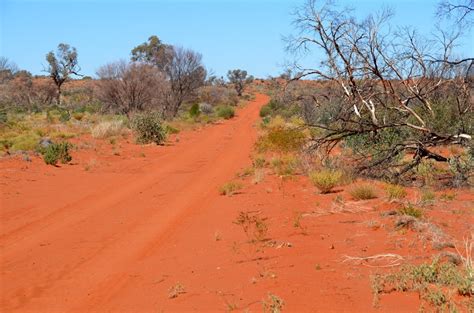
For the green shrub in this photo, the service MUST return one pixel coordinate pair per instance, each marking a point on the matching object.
(64, 116)
(266, 110)
(225, 112)
(57, 152)
(363, 192)
(148, 128)
(26, 142)
(325, 180)
(194, 111)
(282, 139)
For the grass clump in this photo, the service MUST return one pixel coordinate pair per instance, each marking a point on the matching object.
(285, 166)
(225, 112)
(57, 152)
(411, 210)
(325, 180)
(254, 226)
(273, 304)
(435, 282)
(107, 129)
(282, 139)
(148, 128)
(230, 188)
(363, 192)
(395, 192)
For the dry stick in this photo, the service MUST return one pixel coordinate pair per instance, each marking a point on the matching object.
(396, 259)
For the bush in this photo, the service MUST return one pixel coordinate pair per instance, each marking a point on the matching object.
(282, 139)
(266, 110)
(363, 192)
(325, 180)
(57, 152)
(225, 112)
(194, 111)
(206, 108)
(148, 128)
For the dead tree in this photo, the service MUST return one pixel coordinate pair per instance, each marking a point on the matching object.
(386, 88)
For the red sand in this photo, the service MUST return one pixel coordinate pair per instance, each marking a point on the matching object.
(117, 237)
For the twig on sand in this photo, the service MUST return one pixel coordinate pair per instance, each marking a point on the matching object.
(389, 260)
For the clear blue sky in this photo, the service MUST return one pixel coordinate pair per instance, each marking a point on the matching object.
(229, 33)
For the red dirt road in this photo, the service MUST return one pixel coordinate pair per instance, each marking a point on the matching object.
(71, 241)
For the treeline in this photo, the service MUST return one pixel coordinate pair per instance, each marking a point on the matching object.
(157, 77)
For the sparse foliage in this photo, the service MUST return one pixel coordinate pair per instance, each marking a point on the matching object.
(239, 79)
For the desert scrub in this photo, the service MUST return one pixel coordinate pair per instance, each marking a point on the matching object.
(434, 282)
(395, 192)
(273, 304)
(254, 226)
(230, 188)
(325, 180)
(411, 210)
(57, 152)
(148, 128)
(285, 166)
(363, 192)
(283, 139)
(225, 112)
(107, 129)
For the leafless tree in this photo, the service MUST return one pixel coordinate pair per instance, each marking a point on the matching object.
(7, 69)
(384, 87)
(127, 87)
(185, 74)
(460, 10)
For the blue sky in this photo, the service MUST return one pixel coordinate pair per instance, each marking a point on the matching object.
(229, 33)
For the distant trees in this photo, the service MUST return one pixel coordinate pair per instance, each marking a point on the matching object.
(61, 65)
(126, 87)
(7, 69)
(182, 68)
(386, 92)
(239, 79)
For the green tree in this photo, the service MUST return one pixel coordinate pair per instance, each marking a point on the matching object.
(61, 65)
(239, 79)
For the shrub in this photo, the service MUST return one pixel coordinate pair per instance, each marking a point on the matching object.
(57, 152)
(325, 180)
(194, 111)
(26, 142)
(107, 129)
(225, 112)
(206, 108)
(396, 192)
(282, 139)
(410, 210)
(363, 192)
(266, 110)
(148, 128)
(229, 189)
(285, 166)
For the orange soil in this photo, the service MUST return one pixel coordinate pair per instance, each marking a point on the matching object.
(115, 234)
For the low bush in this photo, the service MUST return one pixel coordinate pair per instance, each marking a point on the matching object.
(266, 110)
(363, 192)
(194, 111)
(395, 192)
(57, 152)
(282, 139)
(149, 128)
(325, 180)
(411, 210)
(225, 112)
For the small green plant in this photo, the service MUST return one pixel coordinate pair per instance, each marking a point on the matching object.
(411, 210)
(273, 304)
(230, 188)
(428, 196)
(148, 128)
(363, 192)
(448, 196)
(225, 112)
(266, 110)
(57, 152)
(325, 180)
(395, 192)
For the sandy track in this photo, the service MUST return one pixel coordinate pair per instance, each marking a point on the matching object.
(71, 241)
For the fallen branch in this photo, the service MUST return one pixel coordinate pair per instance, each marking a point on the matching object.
(392, 259)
